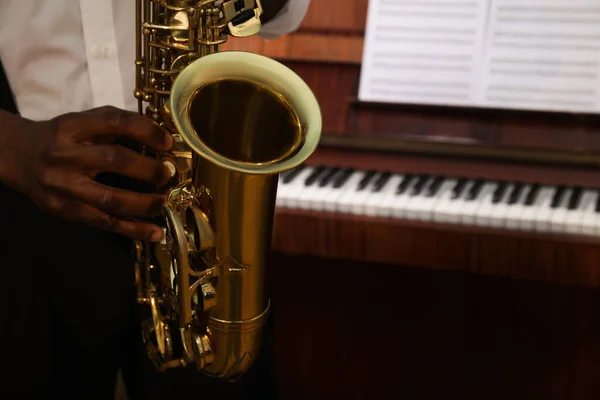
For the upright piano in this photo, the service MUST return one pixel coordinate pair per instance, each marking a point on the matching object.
(427, 251)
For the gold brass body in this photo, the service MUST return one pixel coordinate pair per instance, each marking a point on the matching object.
(238, 120)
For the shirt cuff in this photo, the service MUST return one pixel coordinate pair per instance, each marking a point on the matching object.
(287, 20)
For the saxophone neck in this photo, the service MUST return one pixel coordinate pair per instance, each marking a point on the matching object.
(171, 34)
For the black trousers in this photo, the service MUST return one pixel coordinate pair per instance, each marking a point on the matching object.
(69, 322)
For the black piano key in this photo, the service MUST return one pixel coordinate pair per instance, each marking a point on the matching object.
(499, 192)
(475, 190)
(435, 186)
(381, 181)
(533, 194)
(343, 178)
(598, 202)
(575, 198)
(558, 195)
(366, 179)
(403, 185)
(289, 176)
(312, 178)
(328, 176)
(286, 173)
(419, 185)
(458, 189)
(515, 194)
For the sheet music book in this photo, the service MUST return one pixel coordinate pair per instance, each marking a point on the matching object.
(512, 54)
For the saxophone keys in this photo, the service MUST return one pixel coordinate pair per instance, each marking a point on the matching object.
(243, 17)
(205, 297)
(203, 351)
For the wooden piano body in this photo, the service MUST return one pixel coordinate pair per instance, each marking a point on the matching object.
(382, 308)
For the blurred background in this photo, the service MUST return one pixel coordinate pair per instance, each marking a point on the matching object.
(457, 258)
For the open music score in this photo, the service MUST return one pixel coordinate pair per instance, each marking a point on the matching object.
(509, 54)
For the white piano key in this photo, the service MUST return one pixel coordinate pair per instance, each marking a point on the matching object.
(316, 198)
(543, 214)
(471, 210)
(444, 201)
(329, 202)
(527, 220)
(345, 200)
(418, 202)
(590, 219)
(453, 211)
(486, 212)
(516, 211)
(596, 219)
(559, 216)
(281, 189)
(289, 198)
(468, 205)
(400, 201)
(459, 204)
(361, 196)
(497, 215)
(443, 195)
(596, 223)
(424, 208)
(376, 199)
(384, 208)
(317, 203)
(576, 220)
(304, 197)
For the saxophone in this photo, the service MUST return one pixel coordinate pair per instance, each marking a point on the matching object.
(238, 120)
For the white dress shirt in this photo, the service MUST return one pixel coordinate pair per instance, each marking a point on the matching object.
(72, 55)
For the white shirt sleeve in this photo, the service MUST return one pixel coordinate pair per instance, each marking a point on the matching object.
(81, 55)
(287, 20)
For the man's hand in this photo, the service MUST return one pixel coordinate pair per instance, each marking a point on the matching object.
(55, 162)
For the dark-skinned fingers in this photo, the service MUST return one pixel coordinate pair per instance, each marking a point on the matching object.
(113, 122)
(115, 201)
(96, 218)
(115, 159)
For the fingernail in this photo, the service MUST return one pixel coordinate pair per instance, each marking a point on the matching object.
(170, 168)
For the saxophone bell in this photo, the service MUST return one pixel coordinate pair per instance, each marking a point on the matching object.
(239, 120)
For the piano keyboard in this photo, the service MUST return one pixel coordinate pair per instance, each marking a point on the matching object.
(495, 204)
